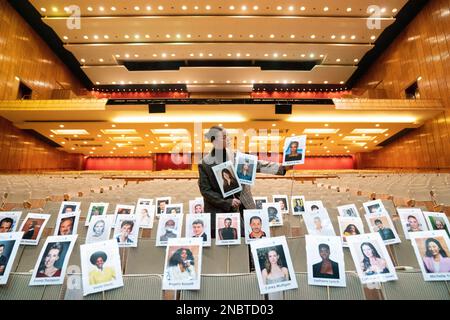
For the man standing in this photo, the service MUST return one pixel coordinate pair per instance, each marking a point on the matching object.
(209, 188)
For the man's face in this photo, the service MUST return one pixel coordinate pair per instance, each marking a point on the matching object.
(162, 205)
(170, 225)
(198, 208)
(5, 227)
(68, 210)
(197, 229)
(256, 225)
(227, 223)
(65, 227)
(324, 253)
(125, 230)
(379, 225)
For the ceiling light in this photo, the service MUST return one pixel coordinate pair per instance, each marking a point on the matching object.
(342, 82)
(358, 138)
(373, 37)
(137, 8)
(232, 7)
(394, 10)
(255, 8)
(325, 9)
(326, 82)
(312, 55)
(113, 9)
(343, 37)
(43, 10)
(209, 35)
(183, 7)
(333, 36)
(244, 8)
(349, 9)
(368, 131)
(302, 8)
(338, 60)
(160, 8)
(251, 36)
(291, 8)
(292, 36)
(272, 36)
(279, 8)
(230, 36)
(313, 36)
(356, 60)
(208, 7)
(86, 37)
(90, 9)
(127, 36)
(67, 132)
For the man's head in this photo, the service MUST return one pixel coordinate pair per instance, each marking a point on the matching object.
(314, 208)
(379, 223)
(324, 251)
(197, 227)
(162, 205)
(255, 224)
(282, 206)
(198, 208)
(218, 137)
(66, 226)
(6, 225)
(68, 210)
(227, 222)
(126, 227)
(170, 225)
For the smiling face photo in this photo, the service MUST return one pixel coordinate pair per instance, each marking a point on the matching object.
(99, 228)
(283, 201)
(412, 220)
(9, 244)
(245, 167)
(294, 150)
(69, 207)
(9, 221)
(226, 178)
(161, 205)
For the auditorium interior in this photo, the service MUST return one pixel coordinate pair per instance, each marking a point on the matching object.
(109, 101)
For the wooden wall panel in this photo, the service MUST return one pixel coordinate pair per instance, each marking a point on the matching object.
(422, 50)
(21, 152)
(25, 55)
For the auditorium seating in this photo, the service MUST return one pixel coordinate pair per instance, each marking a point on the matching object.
(225, 269)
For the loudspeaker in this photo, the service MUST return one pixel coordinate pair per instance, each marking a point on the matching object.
(283, 109)
(156, 108)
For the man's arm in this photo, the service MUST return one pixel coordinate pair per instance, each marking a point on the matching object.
(270, 168)
(209, 194)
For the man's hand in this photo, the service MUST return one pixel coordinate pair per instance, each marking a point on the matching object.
(236, 203)
(287, 168)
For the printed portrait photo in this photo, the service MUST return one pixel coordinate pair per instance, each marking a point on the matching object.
(122, 209)
(432, 249)
(372, 261)
(256, 224)
(100, 266)
(183, 264)
(145, 215)
(374, 207)
(382, 224)
(198, 225)
(32, 228)
(283, 201)
(325, 260)
(274, 213)
(226, 178)
(9, 221)
(69, 207)
(245, 167)
(259, 202)
(350, 226)
(319, 224)
(99, 228)
(9, 244)
(174, 208)
(144, 202)
(228, 228)
(314, 207)
(294, 150)
(169, 227)
(348, 210)
(51, 265)
(437, 221)
(412, 220)
(161, 205)
(196, 206)
(67, 224)
(126, 231)
(298, 205)
(273, 265)
(96, 209)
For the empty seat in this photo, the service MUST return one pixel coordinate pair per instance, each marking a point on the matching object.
(225, 287)
(353, 291)
(297, 249)
(137, 287)
(18, 288)
(145, 259)
(305, 291)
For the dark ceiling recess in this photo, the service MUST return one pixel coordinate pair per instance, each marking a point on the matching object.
(396, 136)
(42, 138)
(403, 18)
(177, 64)
(143, 87)
(271, 87)
(219, 101)
(33, 18)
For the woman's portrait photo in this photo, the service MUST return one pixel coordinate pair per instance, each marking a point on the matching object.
(101, 266)
(96, 209)
(228, 228)
(246, 168)
(274, 213)
(32, 226)
(371, 258)
(314, 207)
(349, 226)
(437, 221)
(294, 150)
(349, 210)
(183, 264)
(145, 215)
(432, 250)
(99, 229)
(226, 178)
(9, 244)
(325, 260)
(298, 205)
(412, 220)
(52, 262)
(273, 265)
(283, 201)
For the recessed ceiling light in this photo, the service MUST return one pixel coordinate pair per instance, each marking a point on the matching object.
(309, 82)
(313, 36)
(232, 7)
(90, 9)
(208, 7)
(349, 9)
(272, 36)
(342, 82)
(209, 35)
(183, 7)
(43, 10)
(353, 37)
(343, 37)
(394, 10)
(230, 36)
(228, 81)
(383, 10)
(291, 8)
(292, 36)
(188, 36)
(160, 8)
(86, 37)
(333, 36)
(326, 82)
(338, 60)
(113, 9)
(312, 55)
(251, 36)
(302, 8)
(244, 8)
(255, 7)
(279, 8)
(326, 9)
(373, 37)
(66, 38)
(126, 36)
(137, 8)
(356, 60)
